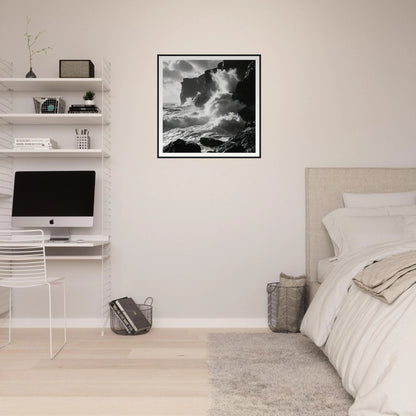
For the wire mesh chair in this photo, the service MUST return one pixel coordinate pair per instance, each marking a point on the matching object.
(23, 265)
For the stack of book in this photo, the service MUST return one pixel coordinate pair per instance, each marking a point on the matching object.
(82, 108)
(130, 316)
(33, 144)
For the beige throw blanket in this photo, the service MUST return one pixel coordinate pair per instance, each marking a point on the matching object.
(388, 278)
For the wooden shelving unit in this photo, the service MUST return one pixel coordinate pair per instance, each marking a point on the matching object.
(13, 123)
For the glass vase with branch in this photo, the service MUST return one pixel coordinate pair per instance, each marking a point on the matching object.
(31, 42)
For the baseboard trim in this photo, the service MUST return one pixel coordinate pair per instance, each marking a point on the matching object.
(210, 323)
(157, 323)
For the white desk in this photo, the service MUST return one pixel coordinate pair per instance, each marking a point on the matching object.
(68, 244)
(75, 249)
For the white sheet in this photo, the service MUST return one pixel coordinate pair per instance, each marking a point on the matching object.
(325, 267)
(371, 344)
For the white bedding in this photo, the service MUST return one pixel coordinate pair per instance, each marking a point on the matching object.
(371, 344)
(325, 266)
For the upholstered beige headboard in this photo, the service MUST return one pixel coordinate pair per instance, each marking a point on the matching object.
(324, 189)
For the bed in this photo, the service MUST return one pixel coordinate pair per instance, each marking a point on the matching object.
(371, 344)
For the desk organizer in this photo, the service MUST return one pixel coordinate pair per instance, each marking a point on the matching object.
(82, 141)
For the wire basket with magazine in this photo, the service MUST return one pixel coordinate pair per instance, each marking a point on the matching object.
(286, 303)
(129, 318)
(49, 105)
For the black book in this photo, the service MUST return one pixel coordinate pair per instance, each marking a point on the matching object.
(133, 314)
(121, 317)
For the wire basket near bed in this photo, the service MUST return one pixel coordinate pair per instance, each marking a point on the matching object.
(286, 303)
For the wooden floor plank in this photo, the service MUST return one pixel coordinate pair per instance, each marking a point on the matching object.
(104, 406)
(162, 373)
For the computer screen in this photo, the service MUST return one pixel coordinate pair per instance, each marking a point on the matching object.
(53, 198)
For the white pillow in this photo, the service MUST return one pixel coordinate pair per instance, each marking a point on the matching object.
(354, 233)
(348, 234)
(389, 199)
(405, 210)
(410, 227)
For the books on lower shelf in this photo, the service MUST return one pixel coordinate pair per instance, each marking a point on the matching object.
(34, 143)
(130, 315)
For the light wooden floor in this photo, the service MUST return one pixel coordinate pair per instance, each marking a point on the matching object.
(162, 373)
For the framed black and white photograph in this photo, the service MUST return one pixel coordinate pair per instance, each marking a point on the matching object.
(209, 106)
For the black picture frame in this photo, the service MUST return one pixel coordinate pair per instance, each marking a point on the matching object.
(239, 130)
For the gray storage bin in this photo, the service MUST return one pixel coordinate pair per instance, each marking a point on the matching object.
(286, 303)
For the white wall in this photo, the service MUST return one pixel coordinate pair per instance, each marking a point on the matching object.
(203, 237)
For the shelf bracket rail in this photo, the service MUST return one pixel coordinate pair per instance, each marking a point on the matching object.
(106, 192)
(6, 171)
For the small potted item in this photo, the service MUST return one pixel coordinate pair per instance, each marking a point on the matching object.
(89, 97)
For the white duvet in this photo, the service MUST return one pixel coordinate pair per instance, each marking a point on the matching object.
(371, 344)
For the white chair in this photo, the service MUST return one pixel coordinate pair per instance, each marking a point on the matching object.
(22, 265)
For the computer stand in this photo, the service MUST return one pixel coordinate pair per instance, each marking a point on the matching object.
(59, 234)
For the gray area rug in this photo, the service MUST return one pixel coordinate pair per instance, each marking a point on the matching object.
(272, 374)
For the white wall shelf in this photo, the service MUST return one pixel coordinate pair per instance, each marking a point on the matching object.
(15, 96)
(52, 84)
(74, 258)
(52, 119)
(70, 244)
(77, 153)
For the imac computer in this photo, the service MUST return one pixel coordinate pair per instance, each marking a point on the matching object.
(54, 199)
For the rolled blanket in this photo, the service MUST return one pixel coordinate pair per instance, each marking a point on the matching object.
(389, 278)
(292, 281)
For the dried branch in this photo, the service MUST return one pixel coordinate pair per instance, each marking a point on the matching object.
(30, 42)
